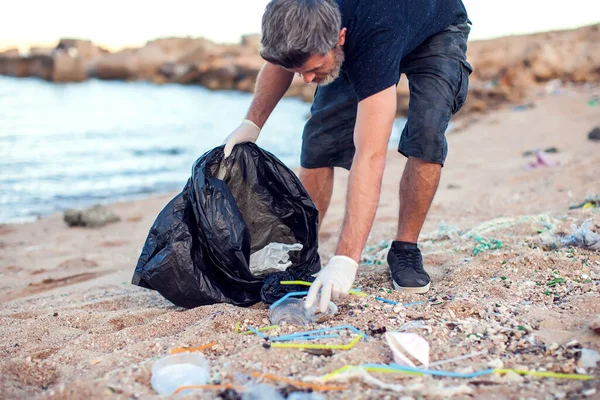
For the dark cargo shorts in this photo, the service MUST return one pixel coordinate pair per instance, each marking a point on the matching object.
(438, 77)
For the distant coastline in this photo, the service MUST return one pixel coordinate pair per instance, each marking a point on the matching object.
(506, 68)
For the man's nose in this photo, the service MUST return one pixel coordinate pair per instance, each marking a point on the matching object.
(308, 77)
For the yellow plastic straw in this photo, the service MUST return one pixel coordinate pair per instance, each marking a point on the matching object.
(300, 384)
(303, 283)
(318, 346)
(546, 374)
(264, 328)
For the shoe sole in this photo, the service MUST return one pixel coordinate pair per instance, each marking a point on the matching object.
(418, 290)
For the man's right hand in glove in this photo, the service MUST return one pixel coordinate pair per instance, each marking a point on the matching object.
(248, 131)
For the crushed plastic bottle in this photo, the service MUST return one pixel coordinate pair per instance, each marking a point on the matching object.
(273, 257)
(177, 370)
(292, 311)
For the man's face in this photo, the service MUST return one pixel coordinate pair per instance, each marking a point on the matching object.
(324, 69)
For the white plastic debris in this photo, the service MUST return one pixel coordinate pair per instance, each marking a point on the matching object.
(404, 344)
(178, 370)
(583, 237)
(589, 358)
(273, 257)
(261, 392)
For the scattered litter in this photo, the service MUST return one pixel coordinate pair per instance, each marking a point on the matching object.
(394, 368)
(484, 244)
(274, 257)
(523, 107)
(541, 160)
(306, 396)
(261, 392)
(405, 344)
(548, 150)
(298, 384)
(192, 349)
(594, 134)
(463, 357)
(347, 346)
(209, 387)
(583, 237)
(174, 371)
(263, 329)
(359, 372)
(589, 358)
(413, 325)
(588, 202)
(292, 311)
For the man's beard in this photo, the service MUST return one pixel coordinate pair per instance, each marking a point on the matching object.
(338, 60)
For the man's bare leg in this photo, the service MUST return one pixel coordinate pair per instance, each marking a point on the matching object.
(319, 185)
(418, 186)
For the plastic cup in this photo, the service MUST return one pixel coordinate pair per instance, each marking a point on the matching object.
(177, 370)
(292, 311)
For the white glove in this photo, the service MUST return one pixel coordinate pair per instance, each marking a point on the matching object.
(335, 279)
(248, 131)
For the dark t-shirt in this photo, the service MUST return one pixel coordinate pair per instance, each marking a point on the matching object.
(381, 32)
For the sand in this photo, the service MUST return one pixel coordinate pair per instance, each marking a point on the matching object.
(72, 325)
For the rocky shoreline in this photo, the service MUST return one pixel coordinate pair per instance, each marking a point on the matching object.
(506, 69)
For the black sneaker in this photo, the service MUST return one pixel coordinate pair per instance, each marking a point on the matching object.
(406, 267)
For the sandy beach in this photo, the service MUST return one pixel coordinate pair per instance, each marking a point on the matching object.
(72, 325)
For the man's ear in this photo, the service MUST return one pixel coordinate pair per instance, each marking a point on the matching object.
(342, 37)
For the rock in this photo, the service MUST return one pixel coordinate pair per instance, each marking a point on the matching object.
(252, 41)
(93, 217)
(67, 68)
(594, 134)
(11, 52)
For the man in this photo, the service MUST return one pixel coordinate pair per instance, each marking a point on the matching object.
(355, 51)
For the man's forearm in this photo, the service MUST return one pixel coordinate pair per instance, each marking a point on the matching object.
(271, 84)
(374, 121)
(364, 186)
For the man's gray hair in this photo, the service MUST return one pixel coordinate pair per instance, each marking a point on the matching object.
(294, 30)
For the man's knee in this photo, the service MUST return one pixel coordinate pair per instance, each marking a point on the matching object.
(315, 173)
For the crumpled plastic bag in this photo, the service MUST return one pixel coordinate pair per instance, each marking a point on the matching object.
(198, 249)
(274, 257)
(583, 237)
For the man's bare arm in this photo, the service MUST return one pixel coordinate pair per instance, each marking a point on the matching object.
(374, 123)
(271, 85)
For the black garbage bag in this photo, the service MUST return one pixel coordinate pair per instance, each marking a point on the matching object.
(198, 249)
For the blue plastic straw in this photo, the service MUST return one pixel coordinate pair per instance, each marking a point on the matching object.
(259, 333)
(449, 374)
(335, 328)
(386, 300)
(287, 296)
(285, 339)
(414, 303)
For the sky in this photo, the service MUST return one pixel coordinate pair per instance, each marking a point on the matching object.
(121, 23)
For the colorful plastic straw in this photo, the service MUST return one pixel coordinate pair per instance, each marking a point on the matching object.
(192, 349)
(347, 346)
(299, 384)
(395, 368)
